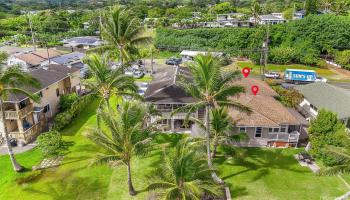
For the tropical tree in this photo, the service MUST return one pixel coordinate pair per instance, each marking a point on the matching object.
(183, 174)
(12, 80)
(339, 153)
(255, 10)
(106, 81)
(122, 31)
(211, 87)
(122, 135)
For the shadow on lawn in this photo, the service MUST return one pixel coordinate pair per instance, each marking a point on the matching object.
(258, 159)
(70, 187)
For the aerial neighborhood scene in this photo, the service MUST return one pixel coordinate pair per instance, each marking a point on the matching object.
(175, 99)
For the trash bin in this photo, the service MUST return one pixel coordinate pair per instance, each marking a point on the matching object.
(13, 142)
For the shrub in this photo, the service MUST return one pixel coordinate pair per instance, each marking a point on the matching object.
(28, 177)
(290, 98)
(67, 100)
(62, 120)
(282, 55)
(342, 57)
(51, 144)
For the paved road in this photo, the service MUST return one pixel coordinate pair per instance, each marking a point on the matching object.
(16, 150)
(342, 85)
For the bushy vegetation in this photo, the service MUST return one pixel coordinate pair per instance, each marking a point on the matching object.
(300, 41)
(290, 98)
(326, 130)
(51, 144)
(66, 101)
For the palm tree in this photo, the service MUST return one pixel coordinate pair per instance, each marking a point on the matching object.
(184, 175)
(106, 81)
(12, 80)
(255, 9)
(210, 88)
(122, 31)
(123, 136)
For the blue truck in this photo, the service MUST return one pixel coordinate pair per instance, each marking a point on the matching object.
(300, 76)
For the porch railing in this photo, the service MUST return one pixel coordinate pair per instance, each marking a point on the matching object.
(28, 135)
(20, 113)
(284, 137)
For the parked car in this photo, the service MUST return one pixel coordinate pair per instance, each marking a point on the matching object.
(138, 74)
(129, 73)
(173, 61)
(274, 75)
(321, 79)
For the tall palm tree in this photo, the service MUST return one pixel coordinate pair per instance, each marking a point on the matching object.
(106, 81)
(123, 136)
(184, 175)
(211, 87)
(255, 10)
(12, 80)
(122, 31)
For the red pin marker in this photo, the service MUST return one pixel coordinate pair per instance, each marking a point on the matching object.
(246, 71)
(255, 89)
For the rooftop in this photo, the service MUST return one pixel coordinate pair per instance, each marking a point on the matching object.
(67, 58)
(323, 95)
(46, 76)
(87, 40)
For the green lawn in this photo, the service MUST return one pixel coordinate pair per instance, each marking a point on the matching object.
(254, 174)
(282, 68)
(258, 173)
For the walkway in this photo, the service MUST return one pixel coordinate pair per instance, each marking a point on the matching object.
(16, 150)
(313, 167)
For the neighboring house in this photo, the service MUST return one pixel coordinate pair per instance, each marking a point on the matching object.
(323, 95)
(189, 55)
(24, 118)
(32, 59)
(268, 19)
(299, 14)
(167, 96)
(10, 50)
(269, 123)
(70, 60)
(232, 20)
(86, 42)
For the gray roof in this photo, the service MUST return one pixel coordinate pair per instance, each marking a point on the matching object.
(332, 98)
(87, 40)
(46, 76)
(67, 58)
(12, 49)
(164, 89)
(270, 17)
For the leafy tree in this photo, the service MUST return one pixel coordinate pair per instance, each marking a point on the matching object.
(288, 14)
(326, 122)
(13, 80)
(124, 136)
(62, 120)
(224, 7)
(311, 7)
(282, 55)
(326, 130)
(183, 174)
(123, 32)
(342, 57)
(3, 56)
(51, 144)
(106, 81)
(340, 7)
(211, 88)
(66, 101)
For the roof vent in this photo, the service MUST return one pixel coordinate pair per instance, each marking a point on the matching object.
(46, 67)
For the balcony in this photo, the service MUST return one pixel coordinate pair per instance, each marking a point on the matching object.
(14, 115)
(284, 137)
(28, 134)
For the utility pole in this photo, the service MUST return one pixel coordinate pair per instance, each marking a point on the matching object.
(266, 49)
(31, 31)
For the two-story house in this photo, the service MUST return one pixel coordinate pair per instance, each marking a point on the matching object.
(24, 118)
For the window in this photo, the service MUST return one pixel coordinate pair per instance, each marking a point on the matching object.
(313, 107)
(283, 128)
(276, 130)
(57, 92)
(163, 122)
(258, 131)
(242, 129)
(47, 108)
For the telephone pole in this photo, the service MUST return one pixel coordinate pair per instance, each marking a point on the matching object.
(266, 49)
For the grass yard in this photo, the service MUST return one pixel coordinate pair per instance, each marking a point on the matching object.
(252, 174)
(258, 173)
